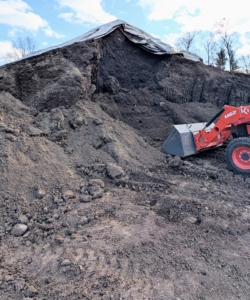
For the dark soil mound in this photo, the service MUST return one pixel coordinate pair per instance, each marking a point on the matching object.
(90, 206)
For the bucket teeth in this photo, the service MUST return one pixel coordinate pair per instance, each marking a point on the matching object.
(181, 140)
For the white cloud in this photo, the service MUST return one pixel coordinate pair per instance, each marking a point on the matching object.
(18, 15)
(5, 47)
(85, 11)
(197, 14)
(245, 50)
(171, 38)
(69, 17)
(13, 31)
(51, 33)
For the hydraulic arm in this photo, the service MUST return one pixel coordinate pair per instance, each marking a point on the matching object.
(230, 118)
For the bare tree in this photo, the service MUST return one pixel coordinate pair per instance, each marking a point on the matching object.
(20, 47)
(210, 47)
(245, 59)
(185, 41)
(230, 41)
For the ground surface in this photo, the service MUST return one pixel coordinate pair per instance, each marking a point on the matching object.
(151, 226)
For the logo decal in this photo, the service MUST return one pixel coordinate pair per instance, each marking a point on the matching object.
(232, 113)
(244, 110)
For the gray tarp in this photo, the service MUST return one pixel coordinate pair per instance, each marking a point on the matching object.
(134, 34)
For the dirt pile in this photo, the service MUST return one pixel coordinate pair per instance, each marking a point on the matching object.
(91, 208)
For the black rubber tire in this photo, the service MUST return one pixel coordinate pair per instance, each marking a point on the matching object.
(235, 143)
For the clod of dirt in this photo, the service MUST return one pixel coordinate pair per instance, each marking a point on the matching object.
(40, 193)
(114, 171)
(77, 120)
(96, 182)
(23, 219)
(85, 198)
(65, 262)
(175, 162)
(95, 191)
(112, 85)
(32, 131)
(31, 291)
(68, 195)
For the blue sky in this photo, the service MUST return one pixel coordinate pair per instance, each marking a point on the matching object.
(52, 22)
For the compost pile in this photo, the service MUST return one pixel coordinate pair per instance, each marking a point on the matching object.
(90, 206)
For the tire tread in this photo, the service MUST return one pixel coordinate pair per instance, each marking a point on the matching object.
(241, 141)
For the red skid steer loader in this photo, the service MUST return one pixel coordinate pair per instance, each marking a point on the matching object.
(189, 139)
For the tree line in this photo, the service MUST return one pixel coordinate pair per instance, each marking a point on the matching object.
(217, 48)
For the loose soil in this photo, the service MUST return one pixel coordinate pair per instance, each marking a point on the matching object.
(107, 214)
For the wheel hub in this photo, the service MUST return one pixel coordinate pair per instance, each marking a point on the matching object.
(245, 156)
(241, 157)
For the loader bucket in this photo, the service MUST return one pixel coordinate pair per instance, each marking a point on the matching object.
(181, 139)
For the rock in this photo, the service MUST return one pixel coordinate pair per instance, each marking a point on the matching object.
(19, 229)
(28, 243)
(56, 216)
(83, 221)
(56, 119)
(175, 162)
(114, 171)
(97, 182)
(32, 131)
(85, 198)
(101, 138)
(68, 195)
(65, 262)
(77, 120)
(112, 85)
(192, 220)
(57, 200)
(97, 122)
(23, 219)
(40, 193)
(95, 191)
(31, 292)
